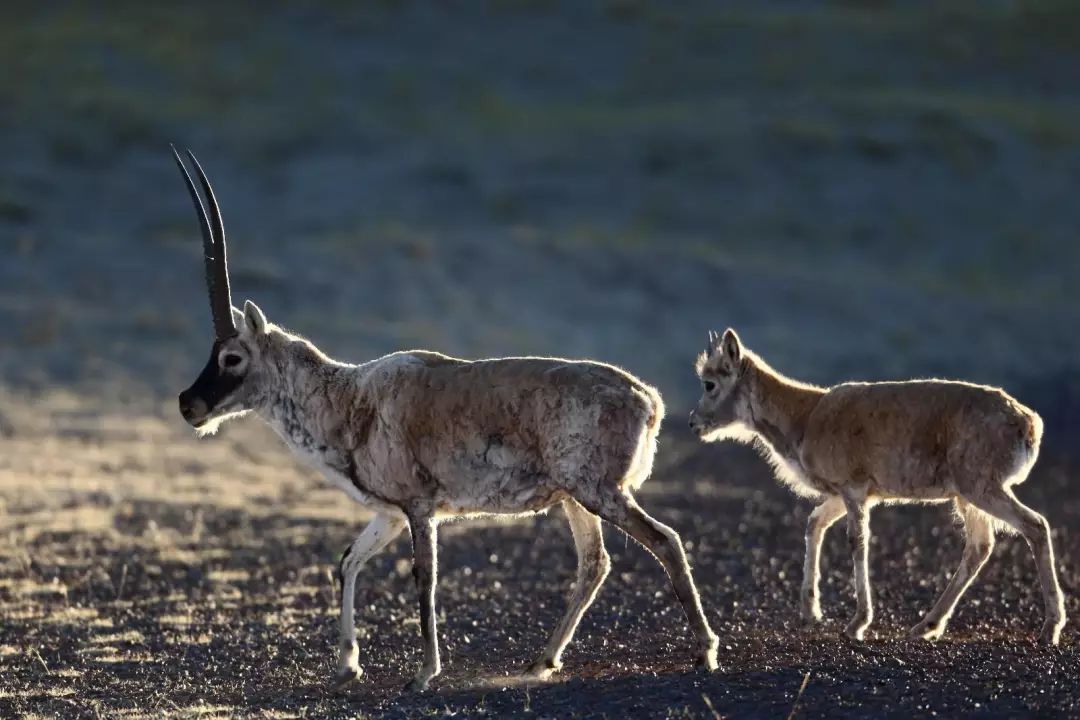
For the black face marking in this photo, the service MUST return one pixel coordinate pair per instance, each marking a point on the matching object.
(709, 385)
(212, 385)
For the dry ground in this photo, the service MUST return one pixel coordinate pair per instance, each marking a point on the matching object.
(147, 574)
(865, 189)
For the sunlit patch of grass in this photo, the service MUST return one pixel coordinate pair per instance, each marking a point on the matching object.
(128, 636)
(26, 587)
(228, 576)
(96, 651)
(112, 656)
(71, 616)
(204, 711)
(171, 554)
(177, 620)
(63, 691)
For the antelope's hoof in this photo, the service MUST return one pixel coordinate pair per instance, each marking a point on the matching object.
(925, 631)
(345, 677)
(856, 629)
(707, 661)
(418, 684)
(1051, 632)
(543, 668)
(809, 609)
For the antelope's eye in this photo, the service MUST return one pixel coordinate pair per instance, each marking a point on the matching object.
(232, 360)
(709, 386)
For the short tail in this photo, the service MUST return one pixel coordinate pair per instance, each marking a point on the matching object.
(1031, 431)
(657, 405)
(642, 464)
(1034, 431)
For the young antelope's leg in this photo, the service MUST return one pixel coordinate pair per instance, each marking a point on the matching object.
(979, 543)
(1003, 505)
(593, 567)
(858, 528)
(425, 561)
(376, 536)
(821, 519)
(621, 510)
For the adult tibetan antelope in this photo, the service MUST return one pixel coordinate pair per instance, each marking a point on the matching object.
(418, 436)
(857, 444)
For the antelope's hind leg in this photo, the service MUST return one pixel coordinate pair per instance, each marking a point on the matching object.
(425, 563)
(1003, 505)
(593, 566)
(978, 544)
(379, 533)
(622, 510)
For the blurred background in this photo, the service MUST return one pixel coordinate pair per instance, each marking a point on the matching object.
(865, 190)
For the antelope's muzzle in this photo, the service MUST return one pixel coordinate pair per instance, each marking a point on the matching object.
(193, 408)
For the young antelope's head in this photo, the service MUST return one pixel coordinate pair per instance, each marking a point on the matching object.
(234, 375)
(720, 369)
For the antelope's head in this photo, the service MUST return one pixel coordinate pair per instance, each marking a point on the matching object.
(720, 369)
(232, 378)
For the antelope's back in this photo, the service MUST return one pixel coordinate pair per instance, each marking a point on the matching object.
(921, 432)
(507, 435)
(520, 392)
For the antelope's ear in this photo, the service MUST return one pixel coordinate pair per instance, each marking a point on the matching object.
(730, 348)
(254, 319)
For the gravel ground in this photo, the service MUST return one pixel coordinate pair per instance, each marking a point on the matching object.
(193, 609)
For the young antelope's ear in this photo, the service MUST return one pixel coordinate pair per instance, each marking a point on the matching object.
(254, 319)
(730, 348)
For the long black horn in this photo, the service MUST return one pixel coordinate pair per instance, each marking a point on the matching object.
(216, 267)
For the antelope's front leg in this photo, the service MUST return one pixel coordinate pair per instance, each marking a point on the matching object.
(821, 519)
(376, 536)
(858, 527)
(424, 570)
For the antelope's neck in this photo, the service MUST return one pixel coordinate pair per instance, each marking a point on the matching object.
(305, 408)
(779, 410)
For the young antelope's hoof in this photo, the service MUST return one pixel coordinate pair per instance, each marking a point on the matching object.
(924, 631)
(856, 629)
(1051, 632)
(543, 668)
(810, 609)
(345, 677)
(707, 661)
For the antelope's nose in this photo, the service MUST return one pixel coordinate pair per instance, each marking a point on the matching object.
(692, 419)
(191, 407)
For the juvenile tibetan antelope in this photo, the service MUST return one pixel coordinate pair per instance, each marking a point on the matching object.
(418, 437)
(857, 444)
